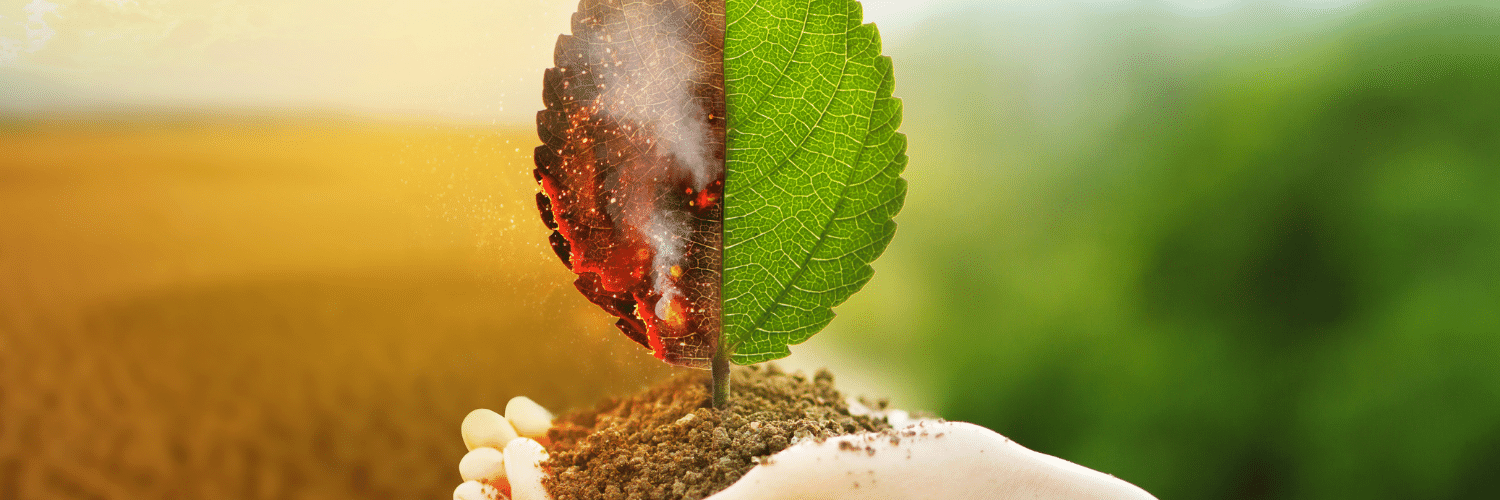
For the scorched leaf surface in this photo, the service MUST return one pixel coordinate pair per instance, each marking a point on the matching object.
(632, 167)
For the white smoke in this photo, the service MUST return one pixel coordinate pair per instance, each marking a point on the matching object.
(668, 232)
(649, 84)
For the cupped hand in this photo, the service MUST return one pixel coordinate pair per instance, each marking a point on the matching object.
(918, 460)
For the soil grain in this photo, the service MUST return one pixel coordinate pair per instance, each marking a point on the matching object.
(667, 443)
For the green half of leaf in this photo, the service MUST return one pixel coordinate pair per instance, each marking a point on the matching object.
(813, 168)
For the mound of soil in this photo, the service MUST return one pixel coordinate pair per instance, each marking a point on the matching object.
(667, 443)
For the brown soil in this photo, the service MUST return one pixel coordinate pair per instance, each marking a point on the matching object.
(667, 444)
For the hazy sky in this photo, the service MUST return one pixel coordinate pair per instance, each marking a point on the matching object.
(477, 60)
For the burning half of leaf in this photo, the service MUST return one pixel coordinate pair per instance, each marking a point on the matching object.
(632, 167)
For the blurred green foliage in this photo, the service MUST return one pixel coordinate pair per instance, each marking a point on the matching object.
(1247, 255)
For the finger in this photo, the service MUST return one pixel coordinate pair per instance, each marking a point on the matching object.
(927, 460)
(485, 428)
(523, 464)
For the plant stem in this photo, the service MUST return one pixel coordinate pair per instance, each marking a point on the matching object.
(721, 378)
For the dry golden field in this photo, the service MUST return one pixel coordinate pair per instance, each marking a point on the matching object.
(262, 308)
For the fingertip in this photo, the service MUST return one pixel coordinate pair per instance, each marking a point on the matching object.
(530, 419)
(482, 464)
(475, 490)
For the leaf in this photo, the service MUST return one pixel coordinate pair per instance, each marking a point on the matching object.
(681, 153)
(632, 167)
(813, 164)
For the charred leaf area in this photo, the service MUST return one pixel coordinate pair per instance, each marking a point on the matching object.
(632, 167)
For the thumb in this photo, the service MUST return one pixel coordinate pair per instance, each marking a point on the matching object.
(927, 460)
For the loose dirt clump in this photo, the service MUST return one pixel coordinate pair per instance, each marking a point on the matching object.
(667, 443)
